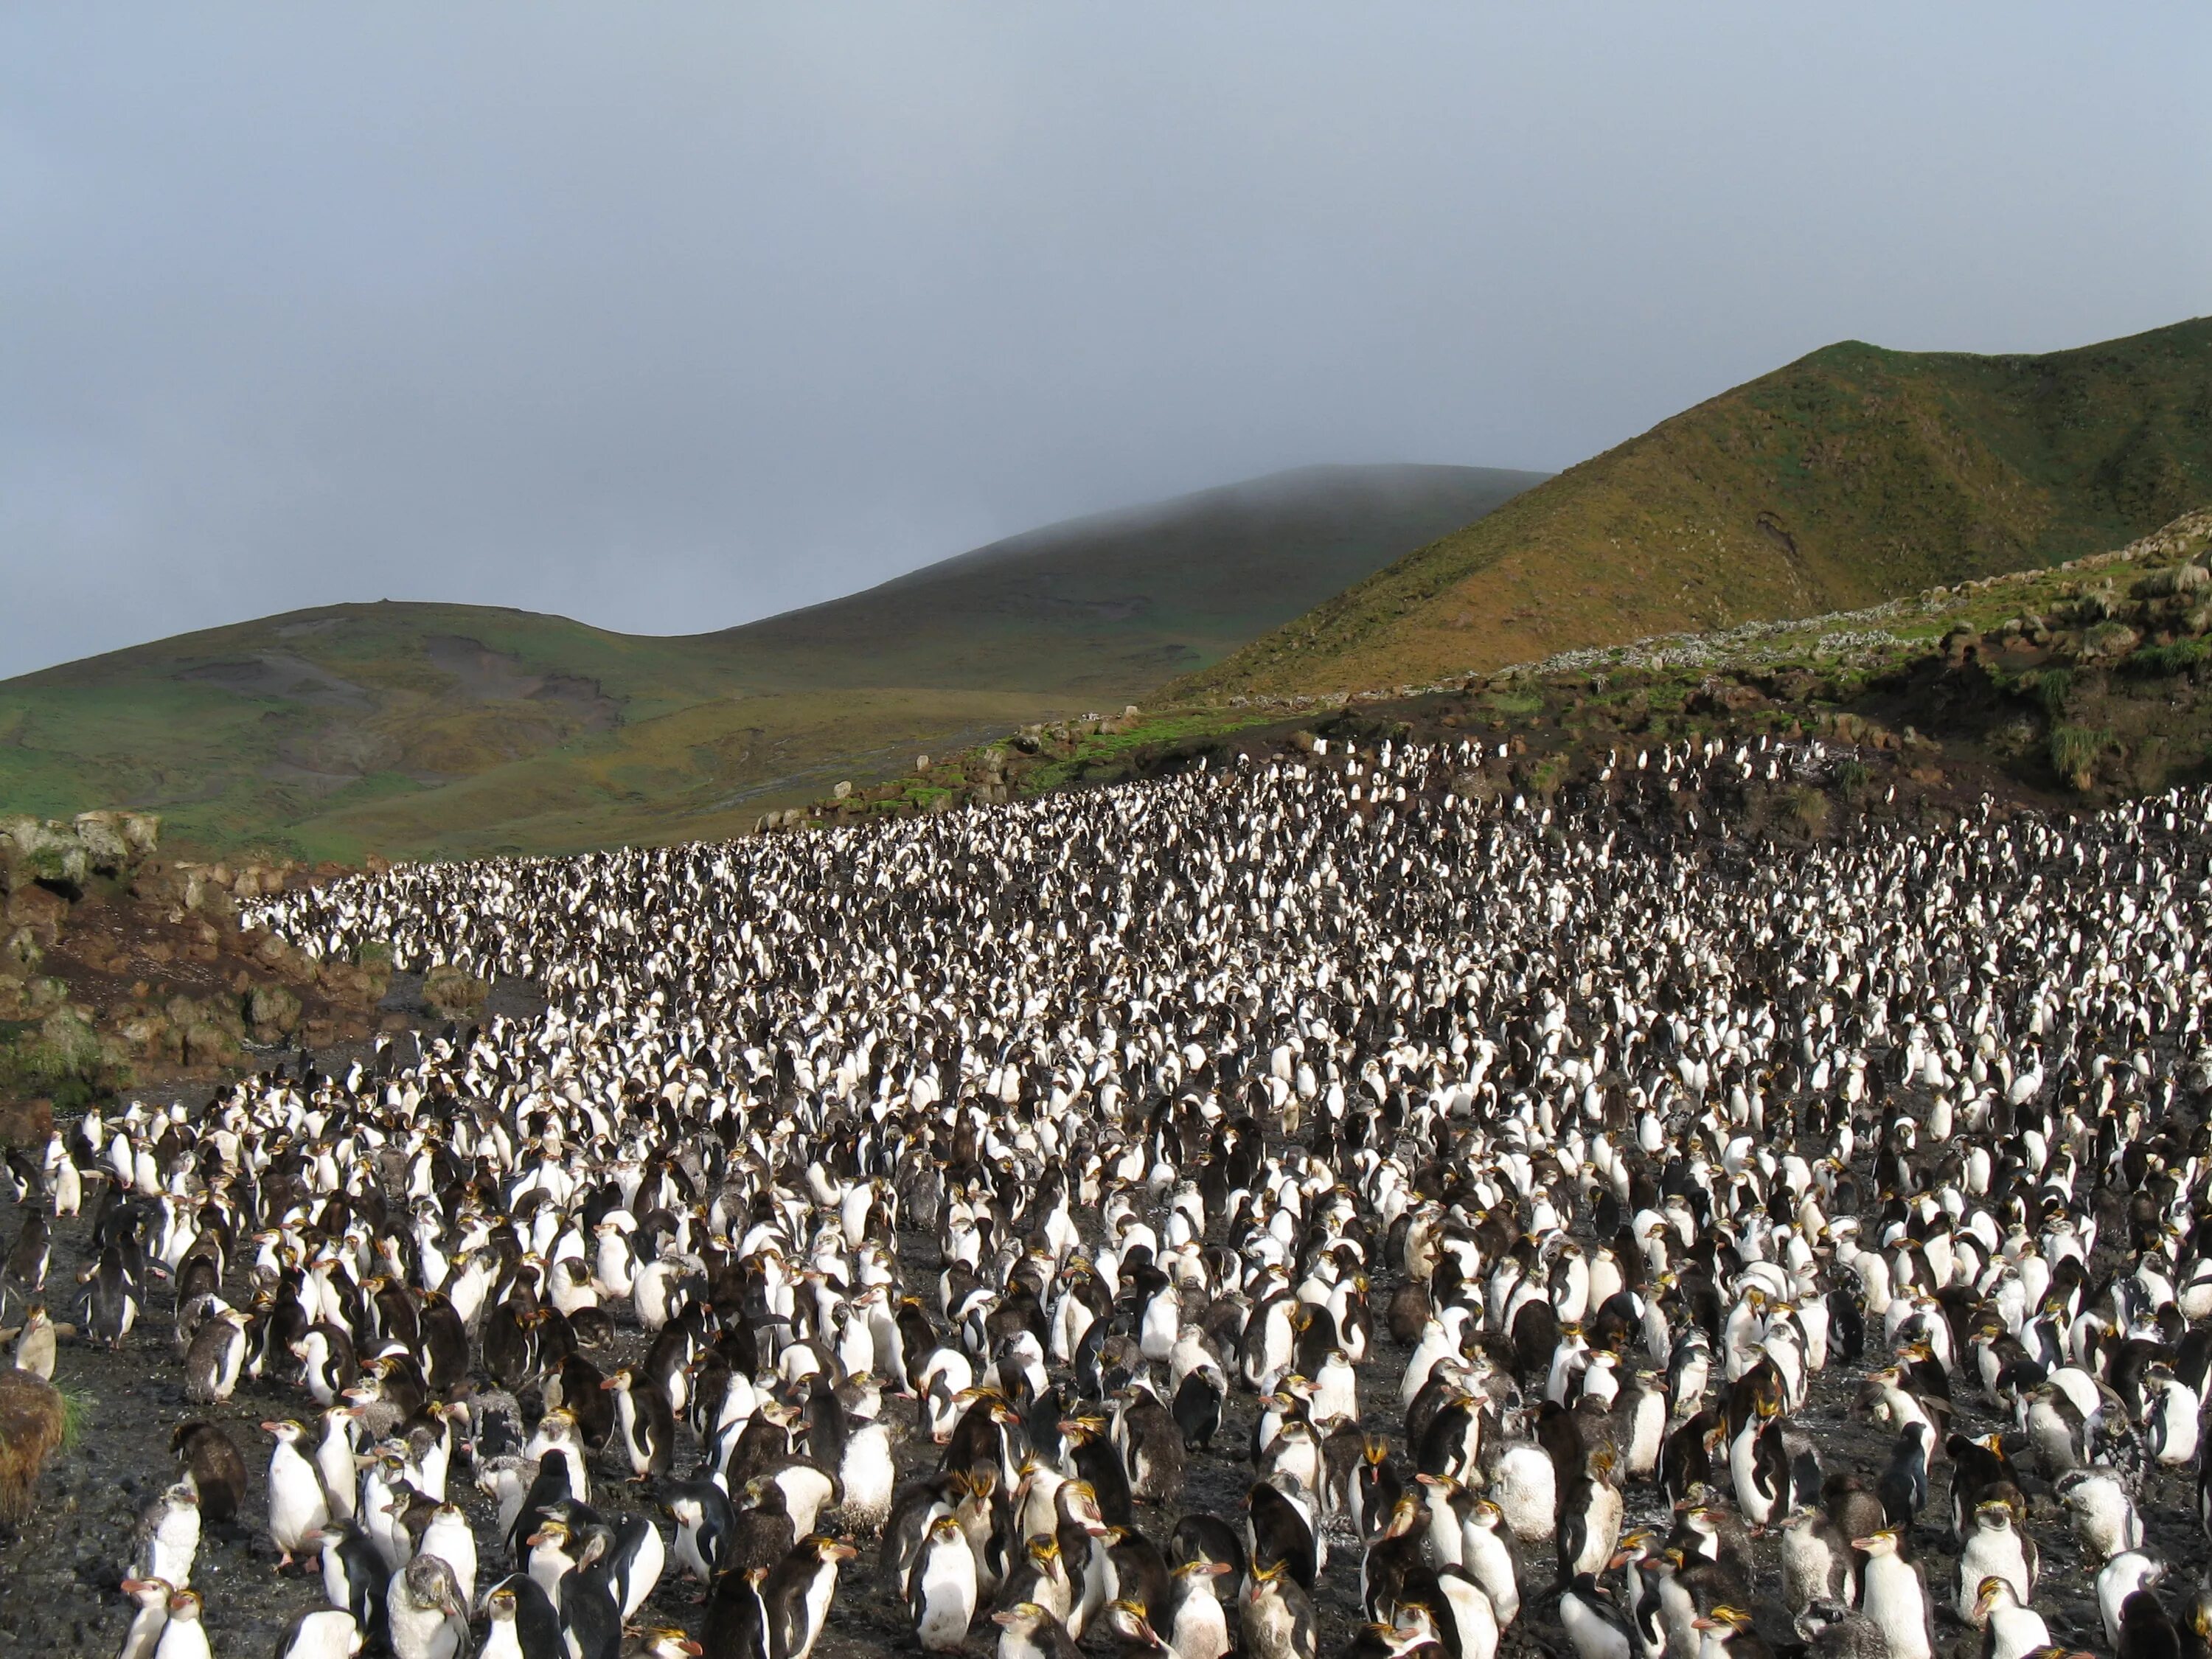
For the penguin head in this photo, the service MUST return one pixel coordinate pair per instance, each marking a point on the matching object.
(1992, 1592)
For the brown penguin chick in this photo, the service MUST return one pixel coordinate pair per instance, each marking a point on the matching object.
(214, 1464)
(31, 1422)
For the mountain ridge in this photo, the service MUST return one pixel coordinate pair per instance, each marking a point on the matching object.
(422, 729)
(1851, 475)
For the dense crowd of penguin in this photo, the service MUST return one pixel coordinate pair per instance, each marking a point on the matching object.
(918, 1205)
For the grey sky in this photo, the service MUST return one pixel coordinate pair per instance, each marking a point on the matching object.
(667, 316)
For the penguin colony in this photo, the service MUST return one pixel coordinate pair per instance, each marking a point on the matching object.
(918, 1205)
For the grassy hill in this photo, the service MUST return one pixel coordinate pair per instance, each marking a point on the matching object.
(1851, 475)
(434, 729)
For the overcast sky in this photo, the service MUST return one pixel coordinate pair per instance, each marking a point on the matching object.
(670, 316)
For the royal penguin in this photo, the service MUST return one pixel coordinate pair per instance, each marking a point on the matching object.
(216, 1359)
(797, 1594)
(449, 1537)
(1594, 1623)
(1276, 1618)
(521, 1623)
(325, 1633)
(2010, 1628)
(184, 1635)
(1817, 1563)
(354, 1574)
(1027, 1631)
(868, 1474)
(150, 1597)
(1590, 1512)
(705, 1522)
(169, 1537)
(2147, 1629)
(1892, 1594)
(1280, 1530)
(214, 1468)
(941, 1590)
(737, 1624)
(1995, 1547)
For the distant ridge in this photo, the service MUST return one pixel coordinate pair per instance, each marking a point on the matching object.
(1118, 601)
(424, 729)
(1853, 475)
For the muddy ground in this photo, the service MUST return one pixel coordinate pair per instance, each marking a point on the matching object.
(59, 1574)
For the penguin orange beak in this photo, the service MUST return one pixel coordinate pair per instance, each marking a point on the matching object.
(841, 1551)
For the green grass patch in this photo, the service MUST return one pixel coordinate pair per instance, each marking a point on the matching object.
(77, 1413)
(2049, 688)
(2074, 754)
(2165, 661)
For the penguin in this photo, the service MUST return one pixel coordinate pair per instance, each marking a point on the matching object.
(1598, 1628)
(2119, 1581)
(325, 1633)
(1891, 1595)
(169, 1537)
(1905, 1482)
(1817, 1563)
(2147, 1629)
(705, 1524)
(214, 1468)
(1198, 1627)
(1995, 1549)
(2010, 1629)
(522, 1624)
(736, 1625)
(297, 1507)
(634, 1561)
(1152, 1446)
(150, 1596)
(424, 1613)
(1279, 1533)
(449, 1537)
(645, 1424)
(354, 1576)
(1832, 1631)
(868, 1474)
(1728, 1631)
(798, 1593)
(216, 1359)
(590, 1614)
(183, 1636)
(1276, 1621)
(941, 1591)
(1590, 1512)
(1027, 1631)
(1197, 1407)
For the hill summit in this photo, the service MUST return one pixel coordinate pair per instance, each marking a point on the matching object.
(1851, 475)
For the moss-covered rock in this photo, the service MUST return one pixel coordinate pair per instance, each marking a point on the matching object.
(273, 1011)
(453, 993)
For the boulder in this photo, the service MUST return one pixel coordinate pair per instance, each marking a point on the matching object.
(273, 1011)
(38, 911)
(207, 1044)
(453, 993)
(2107, 640)
(19, 952)
(101, 833)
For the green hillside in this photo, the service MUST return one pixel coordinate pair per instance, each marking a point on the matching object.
(1851, 475)
(428, 729)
